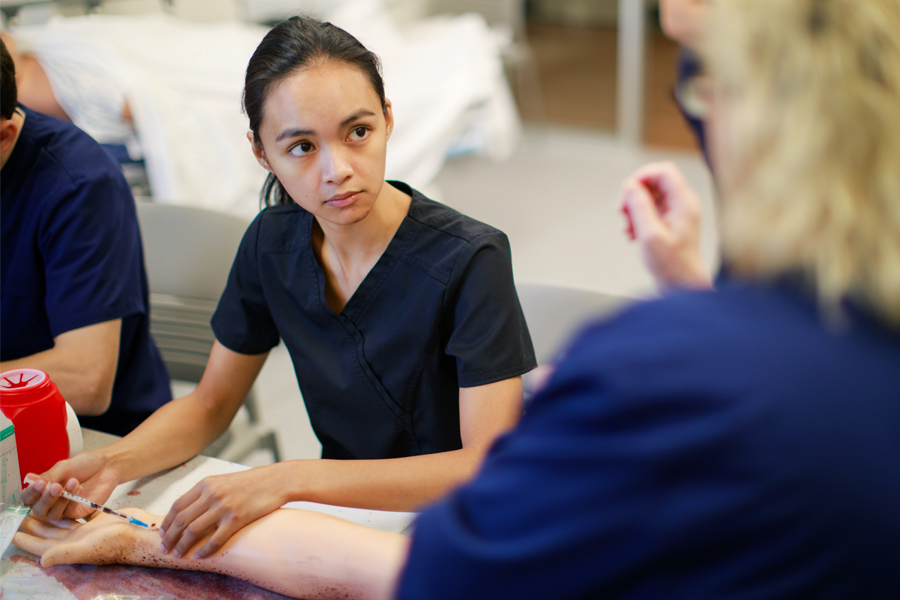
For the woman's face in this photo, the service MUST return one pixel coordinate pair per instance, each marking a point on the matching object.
(324, 135)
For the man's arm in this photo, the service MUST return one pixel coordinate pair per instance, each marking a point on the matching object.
(292, 552)
(82, 363)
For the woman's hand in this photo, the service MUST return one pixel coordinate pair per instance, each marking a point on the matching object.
(222, 504)
(663, 215)
(102, 540)
(86, 474)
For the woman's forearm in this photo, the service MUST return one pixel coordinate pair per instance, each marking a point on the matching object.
(182, 428)
(296, 553)
(176, 432)
(399, 484)
(409, 483)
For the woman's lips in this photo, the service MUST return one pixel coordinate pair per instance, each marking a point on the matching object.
(341, 200)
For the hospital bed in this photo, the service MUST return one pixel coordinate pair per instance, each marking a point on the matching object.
(183, 80)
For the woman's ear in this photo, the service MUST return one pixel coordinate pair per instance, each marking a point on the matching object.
(9, 133)
(258, 152)
(388, 118)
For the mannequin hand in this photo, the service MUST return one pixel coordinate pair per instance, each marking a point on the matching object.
(223, 504)
(664, 217)
(85, 475)
(102, 540)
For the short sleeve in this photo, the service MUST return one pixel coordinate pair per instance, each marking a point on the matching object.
(489, 337)
(91, 247)
(243, 322)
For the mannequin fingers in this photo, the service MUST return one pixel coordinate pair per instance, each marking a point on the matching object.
(35, 544)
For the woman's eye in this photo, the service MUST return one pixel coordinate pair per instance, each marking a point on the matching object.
(359, 133)
(301, 149)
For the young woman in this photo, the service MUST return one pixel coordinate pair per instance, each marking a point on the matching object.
(400, 315)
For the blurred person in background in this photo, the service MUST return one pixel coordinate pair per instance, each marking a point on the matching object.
(708, 444)
(74, 288)
(685, 21)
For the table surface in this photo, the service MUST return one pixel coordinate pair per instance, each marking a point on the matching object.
(23, 577)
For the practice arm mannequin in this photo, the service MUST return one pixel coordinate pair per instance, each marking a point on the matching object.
(82, 363)
(293, 552)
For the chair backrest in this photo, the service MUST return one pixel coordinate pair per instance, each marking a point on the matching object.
(188, 252)
(555, 312)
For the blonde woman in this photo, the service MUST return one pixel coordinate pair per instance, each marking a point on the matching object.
(737, 443)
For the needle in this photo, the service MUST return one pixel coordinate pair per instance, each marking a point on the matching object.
(99, 507)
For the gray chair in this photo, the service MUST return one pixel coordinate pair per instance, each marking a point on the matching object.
(555, 312)
(188, 252)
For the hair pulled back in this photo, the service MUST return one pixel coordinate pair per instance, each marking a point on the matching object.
(8, 90)
(293, 45)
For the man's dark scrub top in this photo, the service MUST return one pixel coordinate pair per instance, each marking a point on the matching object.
(381, 379)
(72, 257)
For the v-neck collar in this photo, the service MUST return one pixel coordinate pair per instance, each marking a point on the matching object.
(368, 287)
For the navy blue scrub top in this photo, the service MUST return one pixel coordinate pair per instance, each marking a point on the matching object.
(714, 445)
(381, 379)
(72, 257)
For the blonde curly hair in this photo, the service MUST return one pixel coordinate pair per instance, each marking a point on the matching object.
(811, 175)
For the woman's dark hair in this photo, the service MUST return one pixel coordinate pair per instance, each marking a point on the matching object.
(290, 46)
(8, 91)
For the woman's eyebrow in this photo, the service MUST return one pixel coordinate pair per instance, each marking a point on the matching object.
(357, 115)
(293, 133)
(289, 133)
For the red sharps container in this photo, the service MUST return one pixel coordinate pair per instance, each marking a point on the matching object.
(46, 427)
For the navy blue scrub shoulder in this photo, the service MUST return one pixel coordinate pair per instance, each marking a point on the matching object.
(72, 257)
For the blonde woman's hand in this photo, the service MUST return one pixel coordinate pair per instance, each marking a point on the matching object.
(663, 215)
(221, 505)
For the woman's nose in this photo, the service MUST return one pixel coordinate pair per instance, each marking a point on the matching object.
(336, 166)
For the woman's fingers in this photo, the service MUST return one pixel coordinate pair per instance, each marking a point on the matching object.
(227, 527)
(195, 531)
(179, 505)
(182, 524)
(32, 492)
(642, 211)
(57, 511)
(50, 505)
